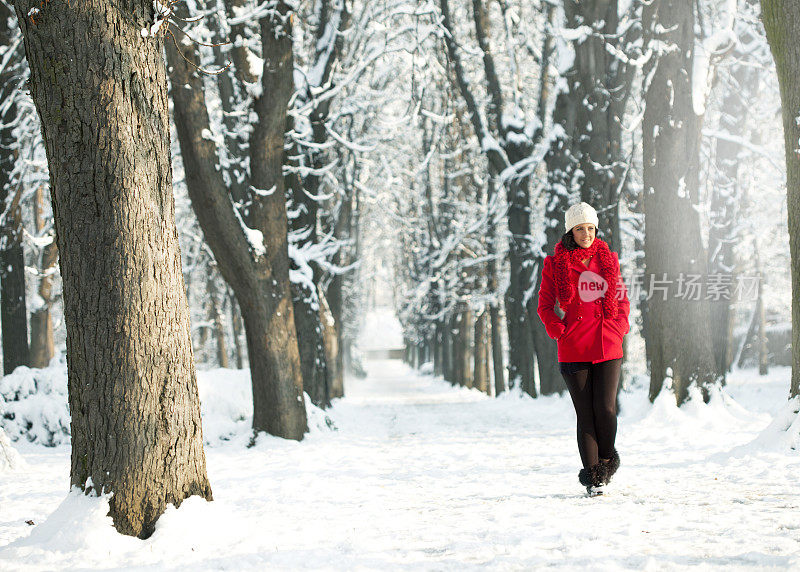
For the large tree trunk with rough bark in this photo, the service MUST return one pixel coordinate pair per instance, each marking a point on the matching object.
(678, 316)
(133, 397)
(250, 247)
(782, 23)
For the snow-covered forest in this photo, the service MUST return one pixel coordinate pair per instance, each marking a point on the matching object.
(270, 276)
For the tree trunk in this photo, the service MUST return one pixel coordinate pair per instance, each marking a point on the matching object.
(216, 319)
(465, 346)
(131, 378)
(306, 161)
(763, 361)
(521, 351)
(236, 328)
(335, 377)
(448, 363)
(517, 147)
(42, 345)
(311, 343)
(481, 369)
(782, 23)
(561, 161)
(334, 295)
(498, 370)
(680, 337)
(600, 83)
(726, 194)
(13, 313)
(250, 248)
(495, 325)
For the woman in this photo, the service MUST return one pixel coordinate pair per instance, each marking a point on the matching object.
(584, 276)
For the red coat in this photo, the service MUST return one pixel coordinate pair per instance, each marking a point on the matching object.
(584, 334)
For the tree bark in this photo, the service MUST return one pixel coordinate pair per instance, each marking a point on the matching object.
(561, 161)
(236, 329)
(311, 343)
(465, 346)
(250, 247)
(495, 323)
(782, 23)
(216, 319)
(517, 147)
(133, 397)
(335, 378)
(481, 368)
(42, 345)
(13, 314)
(679, 335)
(742, 84)
(13, 309)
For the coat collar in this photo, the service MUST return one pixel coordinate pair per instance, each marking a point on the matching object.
(579, 267)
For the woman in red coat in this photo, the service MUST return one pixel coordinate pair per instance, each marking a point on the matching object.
(584, 277)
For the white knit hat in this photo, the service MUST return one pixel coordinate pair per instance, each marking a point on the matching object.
(578, 214)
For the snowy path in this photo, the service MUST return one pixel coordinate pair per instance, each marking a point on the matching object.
(420, 475)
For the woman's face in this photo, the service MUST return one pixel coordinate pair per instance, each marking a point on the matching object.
(584, 234)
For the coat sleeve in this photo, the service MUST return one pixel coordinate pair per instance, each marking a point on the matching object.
(623, 302)
(553, 325)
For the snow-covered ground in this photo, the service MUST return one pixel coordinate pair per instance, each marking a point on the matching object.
(421, 475)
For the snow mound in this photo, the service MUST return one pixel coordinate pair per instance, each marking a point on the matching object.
(720, 413)
(33, 404)
(10, 460)
(226, 404)
(79, 524)
(782, 435)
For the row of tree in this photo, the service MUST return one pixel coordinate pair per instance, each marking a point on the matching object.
(270, 132)
(646, 110)
(456, 132)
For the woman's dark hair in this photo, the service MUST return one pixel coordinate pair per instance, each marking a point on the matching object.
(568, 239)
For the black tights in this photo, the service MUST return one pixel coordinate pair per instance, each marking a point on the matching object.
(593, 388)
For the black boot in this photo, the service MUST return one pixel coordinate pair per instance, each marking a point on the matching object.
(593, 478)
(611, 466)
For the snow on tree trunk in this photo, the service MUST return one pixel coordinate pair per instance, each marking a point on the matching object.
(133, 397)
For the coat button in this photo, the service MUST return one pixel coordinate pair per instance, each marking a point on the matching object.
(579, 317)
(597, 314)
(598, 301)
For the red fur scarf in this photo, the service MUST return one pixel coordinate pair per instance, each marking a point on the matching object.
(566, 289)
